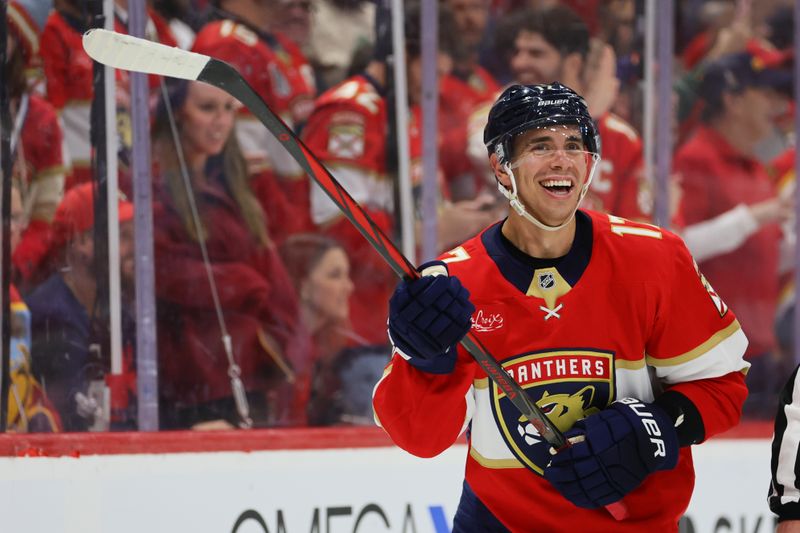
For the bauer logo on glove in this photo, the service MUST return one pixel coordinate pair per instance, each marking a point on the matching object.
(612, 452)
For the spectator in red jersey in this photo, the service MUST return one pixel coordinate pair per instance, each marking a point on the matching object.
(737, 33)
(68, 72)
(348, 131)
(782, 172)
(246, 34)
(345, 367)
(553, 44)
(36, 146)
(30, 17)
(63, 311)
(228, 238)
(714, 18)
(719, 171)
(468, 85)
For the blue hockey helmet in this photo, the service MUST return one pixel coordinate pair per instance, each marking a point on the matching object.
(524, 107)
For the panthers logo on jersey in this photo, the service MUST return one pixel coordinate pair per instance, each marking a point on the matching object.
(566, 385)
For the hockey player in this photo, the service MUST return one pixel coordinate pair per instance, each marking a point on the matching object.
(606, 323)
(551, 44)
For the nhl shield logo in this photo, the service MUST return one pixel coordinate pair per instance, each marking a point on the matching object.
(546, 280)
(566, 385)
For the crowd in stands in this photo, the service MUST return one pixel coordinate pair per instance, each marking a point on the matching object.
(271, 306)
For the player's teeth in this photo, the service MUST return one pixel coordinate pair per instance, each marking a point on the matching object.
(556, 183)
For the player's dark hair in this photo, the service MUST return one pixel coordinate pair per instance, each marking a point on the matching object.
(559, 25)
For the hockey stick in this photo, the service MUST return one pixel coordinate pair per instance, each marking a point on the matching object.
(139, 55)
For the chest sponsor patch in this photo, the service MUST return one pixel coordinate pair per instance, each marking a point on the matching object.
(485, 320)
(566, 384)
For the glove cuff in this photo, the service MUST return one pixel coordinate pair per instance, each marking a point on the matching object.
(687, 421)
(658, 439)
(433, 268)
(442, 364)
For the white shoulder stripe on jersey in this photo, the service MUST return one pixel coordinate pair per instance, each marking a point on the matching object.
(723, 358)
(633, 383)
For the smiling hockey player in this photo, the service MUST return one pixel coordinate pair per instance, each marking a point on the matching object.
(606, 323)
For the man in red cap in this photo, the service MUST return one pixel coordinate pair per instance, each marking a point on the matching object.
(63, 308)
(720, 173)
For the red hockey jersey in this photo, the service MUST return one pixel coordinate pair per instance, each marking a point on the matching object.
(627, 301)
(620, 187)
(458, 97)
(715, 178)
(68, 71)
(39, 172)
(281, 75)
(347, 132)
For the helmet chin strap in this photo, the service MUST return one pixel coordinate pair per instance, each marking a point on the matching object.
(519, 207)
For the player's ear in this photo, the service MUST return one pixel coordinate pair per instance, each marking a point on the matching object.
(499, 170)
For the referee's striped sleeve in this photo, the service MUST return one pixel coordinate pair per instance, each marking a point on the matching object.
(784, 494)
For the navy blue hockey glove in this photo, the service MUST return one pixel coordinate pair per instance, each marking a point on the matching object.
(427, 318)
(613, 451)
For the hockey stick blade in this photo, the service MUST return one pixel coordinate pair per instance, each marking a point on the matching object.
(139, 55)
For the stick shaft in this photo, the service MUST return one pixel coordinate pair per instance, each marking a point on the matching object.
(130, 53)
